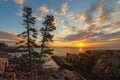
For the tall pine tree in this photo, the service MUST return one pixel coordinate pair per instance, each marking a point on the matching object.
(48, 27)
(30, 34)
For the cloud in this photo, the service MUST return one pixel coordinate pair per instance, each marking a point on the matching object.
(71, 28)
(8, 37)
(118, 2)
(102, 18)
(101, 6)
(80, 16)
(74, 37)
(19, 1)
(60, 12)
(91, 36)
(70, 14)
(100, 25)
(37, 17)
(55, 23)
(110, 36)
(62, 21)
(88, 17)
(43, 9)
(97, 13)
(63, 9)
(96, 33)
(20, 13)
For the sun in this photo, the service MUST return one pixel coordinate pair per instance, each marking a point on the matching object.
(80, 44)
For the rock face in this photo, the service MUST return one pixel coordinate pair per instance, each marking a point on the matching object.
(3, 62)
(94, 64)
(108, 66)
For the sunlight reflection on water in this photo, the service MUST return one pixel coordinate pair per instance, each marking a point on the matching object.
(63, 51)
(81, 50)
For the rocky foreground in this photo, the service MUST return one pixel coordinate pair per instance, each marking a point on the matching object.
(19, 69)
(93, 64)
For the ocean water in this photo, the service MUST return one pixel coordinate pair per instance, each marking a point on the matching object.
(63, 51)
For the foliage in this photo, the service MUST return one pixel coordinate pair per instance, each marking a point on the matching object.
(48, 27)
(3, 44)
(28, 37)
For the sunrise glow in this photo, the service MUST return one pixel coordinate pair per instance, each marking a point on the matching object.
(81, 44)
(95, 23)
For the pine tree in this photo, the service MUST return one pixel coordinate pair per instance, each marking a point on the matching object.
(48, 27)
(30, 34)
(3, 44)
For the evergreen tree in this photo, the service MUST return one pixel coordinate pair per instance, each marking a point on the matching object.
(3, 44)
(30, 33)
(48, 27)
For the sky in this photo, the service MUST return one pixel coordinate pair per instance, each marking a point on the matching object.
(79, 23)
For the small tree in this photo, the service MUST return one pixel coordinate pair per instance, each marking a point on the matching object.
(48, 27)
(30, 34)
(3, 44)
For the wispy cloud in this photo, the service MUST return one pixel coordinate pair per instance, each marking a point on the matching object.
(118, 2)
(19, 1)
(101, 27)
(63, 9)
(71, 28)
(37, 17)
(43, 9)
(20, 13)
(100, 24)
(79, 17)
(8, 37)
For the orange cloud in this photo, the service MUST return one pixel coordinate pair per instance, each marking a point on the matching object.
(101, 7)
(87, 24)
(83, 16)
(62, 21)
(63, 44)
(63, 9)
(71, 28)
(19, 1)
(102, 18)
(118, 2)
(70, 14)
(43, 9)
(80, 16)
